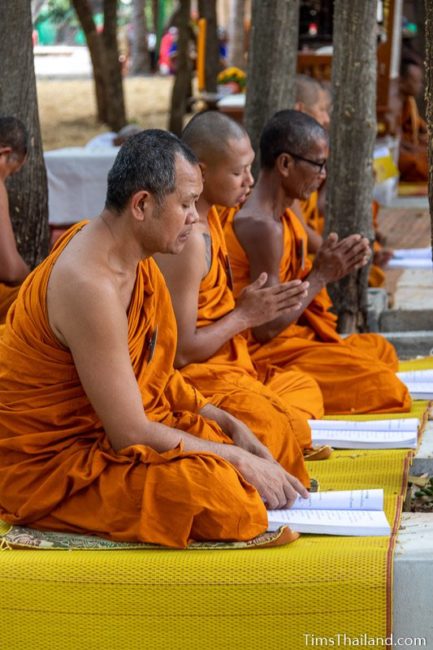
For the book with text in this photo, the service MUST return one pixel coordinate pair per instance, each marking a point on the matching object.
(418, 382)
(399, 433)
(348, 512)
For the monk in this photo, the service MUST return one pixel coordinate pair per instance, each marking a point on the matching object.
(313, 99)
(413, 162)
(98, 433)
(13, 269)
(357, 374)
(211, 352)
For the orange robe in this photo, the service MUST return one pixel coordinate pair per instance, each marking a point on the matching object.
(413, 163)
(315, 220)
(58, 470)
(277, 412)
(356, 374)
(7, 296)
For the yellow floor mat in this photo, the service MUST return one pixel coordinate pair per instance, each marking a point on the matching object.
(281, 598)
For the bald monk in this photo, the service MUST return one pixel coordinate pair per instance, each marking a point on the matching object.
(211, 352)
(357, 374)
(412, 162)
(13, 269)
(314, 100)
(98, 433)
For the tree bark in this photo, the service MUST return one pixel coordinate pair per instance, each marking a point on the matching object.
(429, 98)
(28, 191)
(104, 55)
(236, 34)
(353, 132)
(271, 63)
(140, 54)
(183, 73)
(207, 9)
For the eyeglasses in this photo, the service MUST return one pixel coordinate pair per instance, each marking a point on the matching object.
(320, 165)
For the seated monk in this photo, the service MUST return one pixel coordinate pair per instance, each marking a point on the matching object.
(13, 269)
(413, 160)
(314, 100)
(357, 374)
(211, 352)
(98, 433)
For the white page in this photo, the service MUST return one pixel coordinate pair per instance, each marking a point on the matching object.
(331, 522)
(341, 500)
(396, 424)
(366, 439)
(416, 376)
(425, 253)
(410, 263)
(420, 390)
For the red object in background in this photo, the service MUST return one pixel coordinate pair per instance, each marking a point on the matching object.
(313, 29)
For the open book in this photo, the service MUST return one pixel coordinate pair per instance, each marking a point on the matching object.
(350, 512)
(411, 258)
(366, 434)
(418, 382)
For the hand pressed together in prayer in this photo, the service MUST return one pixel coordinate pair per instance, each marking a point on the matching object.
(336, 258)
(259, 304)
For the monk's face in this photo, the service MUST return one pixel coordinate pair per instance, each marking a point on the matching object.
(320, 109)
(306, 177)
(172, 221)
(227, 178)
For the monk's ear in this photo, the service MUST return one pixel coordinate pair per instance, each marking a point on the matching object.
(299, 106)
(141, 202)
(283, 164)
(202, 166)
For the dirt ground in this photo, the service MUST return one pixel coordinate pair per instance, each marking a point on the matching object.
(68, 114)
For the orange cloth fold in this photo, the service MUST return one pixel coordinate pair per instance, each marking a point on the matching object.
(413, 158)
(8, 294)
(356, 374)
(58, 470)
(276, 412)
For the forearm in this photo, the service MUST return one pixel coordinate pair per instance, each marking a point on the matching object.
(268, 331)
(207, 340)
(14, 271)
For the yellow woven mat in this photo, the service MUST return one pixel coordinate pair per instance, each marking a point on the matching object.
(282, 598)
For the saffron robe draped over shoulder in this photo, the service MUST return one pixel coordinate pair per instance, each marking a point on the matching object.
(8, 294)
(413, 160)
(277, 412)
(58, 470)
(356, 374)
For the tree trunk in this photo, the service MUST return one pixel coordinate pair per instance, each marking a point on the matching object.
(104, 55)
(353, 132)
(28, 191)
(140, 54)
(271, 63)
(236, 34)
(207, 9)
(429, 98)
(116, 114)
(96, 51)
(183, 73)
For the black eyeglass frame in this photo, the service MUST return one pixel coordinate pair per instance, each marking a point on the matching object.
(321, 166)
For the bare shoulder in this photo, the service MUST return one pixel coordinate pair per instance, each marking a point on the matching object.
(191, 261)
(254, 229)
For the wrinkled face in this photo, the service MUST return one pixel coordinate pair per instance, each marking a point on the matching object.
(320, 109)
(172, 221)
(228, 179)
(306, 177)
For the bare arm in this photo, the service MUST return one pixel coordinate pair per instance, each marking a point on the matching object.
(262, 242)
(13, 269)
(183, 274)
(88, 317)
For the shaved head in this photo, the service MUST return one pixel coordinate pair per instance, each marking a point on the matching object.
(209, 133)
(307, 90)
(289, 131)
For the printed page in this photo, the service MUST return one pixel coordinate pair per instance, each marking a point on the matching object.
(366, 439)
(420, 390)
(412, 376)
(397, 424)
(425, 253)
(341, 500)
(331, 522)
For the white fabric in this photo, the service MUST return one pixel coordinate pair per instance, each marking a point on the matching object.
(77, 182)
